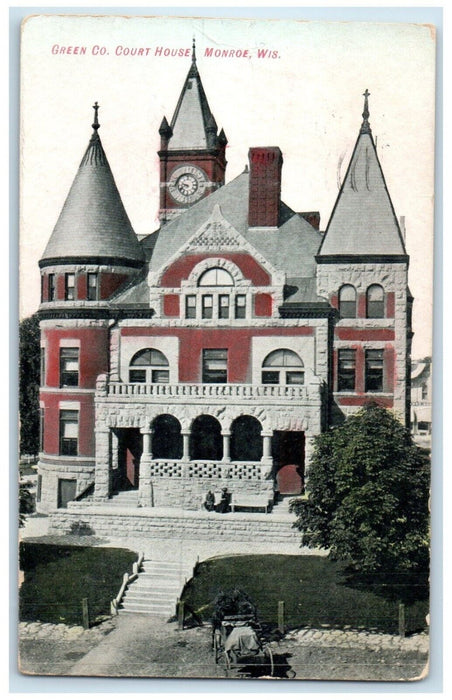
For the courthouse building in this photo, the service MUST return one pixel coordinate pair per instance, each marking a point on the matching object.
(209, 354)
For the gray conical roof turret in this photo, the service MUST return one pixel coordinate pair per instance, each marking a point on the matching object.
(363, 222)
(93, 223)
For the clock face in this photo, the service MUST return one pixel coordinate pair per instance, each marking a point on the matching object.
(187, 184)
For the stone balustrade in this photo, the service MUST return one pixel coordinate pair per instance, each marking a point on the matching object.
(207, 469)
(209, 392)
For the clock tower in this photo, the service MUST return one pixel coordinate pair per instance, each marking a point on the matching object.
(192, 153)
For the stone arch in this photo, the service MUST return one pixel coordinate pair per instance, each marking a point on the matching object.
(206, 441)
(246, 439)
(221, 263)
(167, 442)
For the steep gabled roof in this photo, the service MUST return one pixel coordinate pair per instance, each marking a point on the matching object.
(363, 221)
(290, 249)
(93, 222)
(193, 125)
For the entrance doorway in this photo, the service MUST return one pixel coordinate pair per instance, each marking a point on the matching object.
(67, 488)
(288, 449)
(130, 449)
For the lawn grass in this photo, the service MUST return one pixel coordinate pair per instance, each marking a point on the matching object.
(57, 578)
(316, 592)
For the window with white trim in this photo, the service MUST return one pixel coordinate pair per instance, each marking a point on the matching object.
(69, 367)
(374, 371)
(283, 367)
(69, 432)
(346, 370)
(149, 366)
(375, 301)
(347, 301)
(215, 299)
(92, 286)
(214, 366)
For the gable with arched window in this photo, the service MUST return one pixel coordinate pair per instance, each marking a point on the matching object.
(283, 367)
(347, 301)
(149, 366)
(375, 301)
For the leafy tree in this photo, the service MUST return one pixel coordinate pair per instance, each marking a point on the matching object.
(29, 361)
(368, 495)
(26, 503)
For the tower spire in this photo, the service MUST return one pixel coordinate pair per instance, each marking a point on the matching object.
(95, 123)
(365, 127)
(193, 51)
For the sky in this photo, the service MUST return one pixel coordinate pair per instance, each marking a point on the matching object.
(304, 96)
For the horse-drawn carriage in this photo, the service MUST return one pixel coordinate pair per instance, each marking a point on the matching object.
(238, 643)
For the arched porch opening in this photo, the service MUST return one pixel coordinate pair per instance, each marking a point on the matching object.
(288, 451)
(167, 442)
(246, 439)
(206, 442)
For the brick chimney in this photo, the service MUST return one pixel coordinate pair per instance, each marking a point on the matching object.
(265, 186)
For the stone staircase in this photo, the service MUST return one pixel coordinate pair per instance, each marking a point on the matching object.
(124, 499)
(157, 588)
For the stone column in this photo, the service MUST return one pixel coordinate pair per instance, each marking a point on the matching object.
(267, 459)
(145, 491)
(102, 470)
(226, 446)
(186, 446)
(308, 450)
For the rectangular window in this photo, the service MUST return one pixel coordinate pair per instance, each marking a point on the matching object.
(374, 370)
(294, 377)
(223, 306)
(240, 306)
(190, 306)
(69, 366)
(51, 287)
(270, 377)
(41, 429)
(160, 376)
(42, 368)
(138, 376)
(215, 366)
(93, 286)
(207, 306)
(68, 432)
(346, 370)
(69, 286)
(42, 287)
(39, 488)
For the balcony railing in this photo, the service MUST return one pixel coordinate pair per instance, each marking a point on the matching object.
(222, 392)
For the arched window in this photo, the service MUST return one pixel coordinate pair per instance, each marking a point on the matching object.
(347, 301)
(282, 367)
(167, 440)
(206, 441)
(246, 439)
(216, 277)
(375, 301)
(149, 366)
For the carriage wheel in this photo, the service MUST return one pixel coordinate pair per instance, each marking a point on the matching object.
(270, 660)
(227, 663)
(216, 646)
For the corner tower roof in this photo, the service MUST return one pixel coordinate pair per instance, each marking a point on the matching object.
(193, 125)
(363, 222)
(93, 223)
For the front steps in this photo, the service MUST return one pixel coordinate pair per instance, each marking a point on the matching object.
(156, 589)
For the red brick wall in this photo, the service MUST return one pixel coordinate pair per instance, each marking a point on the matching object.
(265, 186)
(171, 306)
(181, 269)
(236, 341)
(93, 357)
(262, 305)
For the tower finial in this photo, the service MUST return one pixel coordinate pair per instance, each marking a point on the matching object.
(365, 128)
(95, 123)
(193, 50)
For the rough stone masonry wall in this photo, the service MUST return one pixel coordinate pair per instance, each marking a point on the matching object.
(213, 526)
(189, 494)
(393, 277)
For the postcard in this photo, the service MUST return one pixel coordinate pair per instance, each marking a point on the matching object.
(226, 259)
